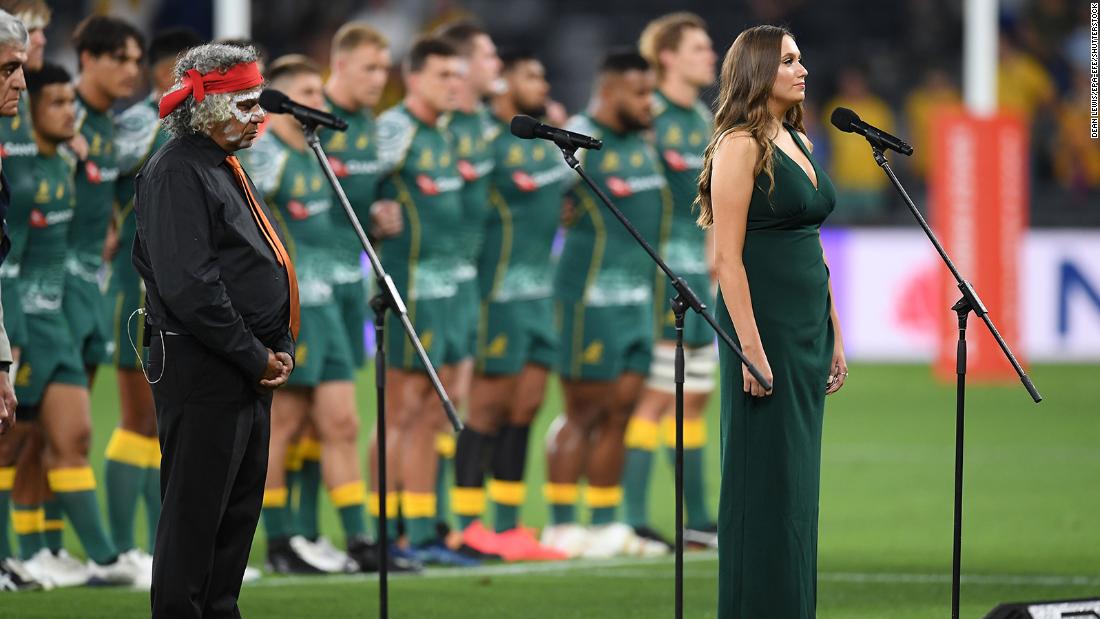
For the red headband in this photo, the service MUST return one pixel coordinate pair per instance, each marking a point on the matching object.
(241, 77)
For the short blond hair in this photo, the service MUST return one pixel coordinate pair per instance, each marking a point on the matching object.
(665, 33)
(354, 34)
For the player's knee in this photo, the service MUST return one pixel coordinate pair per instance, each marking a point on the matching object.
(340, 426)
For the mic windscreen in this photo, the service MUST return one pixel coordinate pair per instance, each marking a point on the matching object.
(524, 127)
(842, 119)
(273, 100)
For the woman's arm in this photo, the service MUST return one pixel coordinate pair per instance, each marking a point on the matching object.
(838, 368)
(731, 190)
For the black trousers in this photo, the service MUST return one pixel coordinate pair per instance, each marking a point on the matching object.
(214, 430)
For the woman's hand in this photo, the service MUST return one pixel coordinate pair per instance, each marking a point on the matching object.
(838, 369)
(756, 356)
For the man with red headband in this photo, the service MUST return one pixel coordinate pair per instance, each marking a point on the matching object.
(221, 320)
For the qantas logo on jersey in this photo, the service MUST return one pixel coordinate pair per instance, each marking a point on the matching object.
(532, 182)
(354, 167)
(434, 186)
(299, 210)
(97, 175)
(682, 162)
(15, 149)
(338, 167)
(473, 171)
(623, 188)
(45, 220)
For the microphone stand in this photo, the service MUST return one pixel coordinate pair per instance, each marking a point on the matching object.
(685, 299)
(962, 308)
(388, 298)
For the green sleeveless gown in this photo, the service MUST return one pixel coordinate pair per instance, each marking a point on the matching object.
(771, 446)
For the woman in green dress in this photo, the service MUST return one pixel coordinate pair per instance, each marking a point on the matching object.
(766, 199)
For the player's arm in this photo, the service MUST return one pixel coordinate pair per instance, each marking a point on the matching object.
(18, 218)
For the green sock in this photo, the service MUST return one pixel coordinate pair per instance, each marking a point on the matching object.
(309, 489)
(151, 498)
(421, 530)
(55, 525)
(352, 520)
(75, 490)
(505, 517)
(443, 477)
(639, 464)
(275, 513)
(124, 483)
(29, 522)
(695, 499)
(603, 515)
(7, 477)
(563, 513)
(391, 528)
(350, 502)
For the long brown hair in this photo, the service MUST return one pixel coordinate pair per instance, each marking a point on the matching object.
(744, 87)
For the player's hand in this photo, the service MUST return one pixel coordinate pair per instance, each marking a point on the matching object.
(110, 244)
(556, 113)
(756, 356)
(385, 219)
(7, 403)
(568, 211)
(838, 369)
(79, 146)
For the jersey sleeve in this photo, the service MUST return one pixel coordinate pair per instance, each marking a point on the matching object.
(395, 137)
(135, 132)
(265, 163)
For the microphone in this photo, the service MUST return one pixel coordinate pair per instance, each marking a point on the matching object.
(528, 128)
(278, 103)
(847, 121)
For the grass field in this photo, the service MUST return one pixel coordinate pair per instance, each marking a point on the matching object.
(1031, 531)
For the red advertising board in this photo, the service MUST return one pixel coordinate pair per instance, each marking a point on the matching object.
(979, 197)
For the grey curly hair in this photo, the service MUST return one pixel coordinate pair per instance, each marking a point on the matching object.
(215, 109)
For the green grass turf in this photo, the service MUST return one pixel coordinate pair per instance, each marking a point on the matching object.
(1030, 530)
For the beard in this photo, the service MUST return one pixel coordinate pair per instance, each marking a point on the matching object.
(632, 123)
(532, 110)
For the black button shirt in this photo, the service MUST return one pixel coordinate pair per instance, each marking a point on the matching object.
(208, 270)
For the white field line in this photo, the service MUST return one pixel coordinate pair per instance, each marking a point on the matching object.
(613, 568)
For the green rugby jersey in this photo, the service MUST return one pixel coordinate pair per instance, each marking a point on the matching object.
(473, 134)
(422, 176)
(95, 192)
(138, 134)
(17, 146)
(353, 155)
(525, 193)
(682, 134)
(39, 218)
(294, 187)
(601, 263)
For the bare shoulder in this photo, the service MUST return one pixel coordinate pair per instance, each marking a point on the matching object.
(736, 149)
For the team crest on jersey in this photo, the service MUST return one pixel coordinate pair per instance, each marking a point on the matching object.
(696, 138)
(16, 122)
(524, 181)
(297, 210)
(465, 146)
(59, 192)
(674, 136)
(427, 160)
(299, 186)
(426, 339)
(315, 183)
(92, 171)
(338, 167)
(610, 162)
(362, 141)
(515, 156)
(539, 153)
(675, 161)
(637, 159)
(444, 160)
(96, 146)
(339, 141)
(43, 194)
(427, 185)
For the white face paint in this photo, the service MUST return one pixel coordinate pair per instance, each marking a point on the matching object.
(255, 114)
